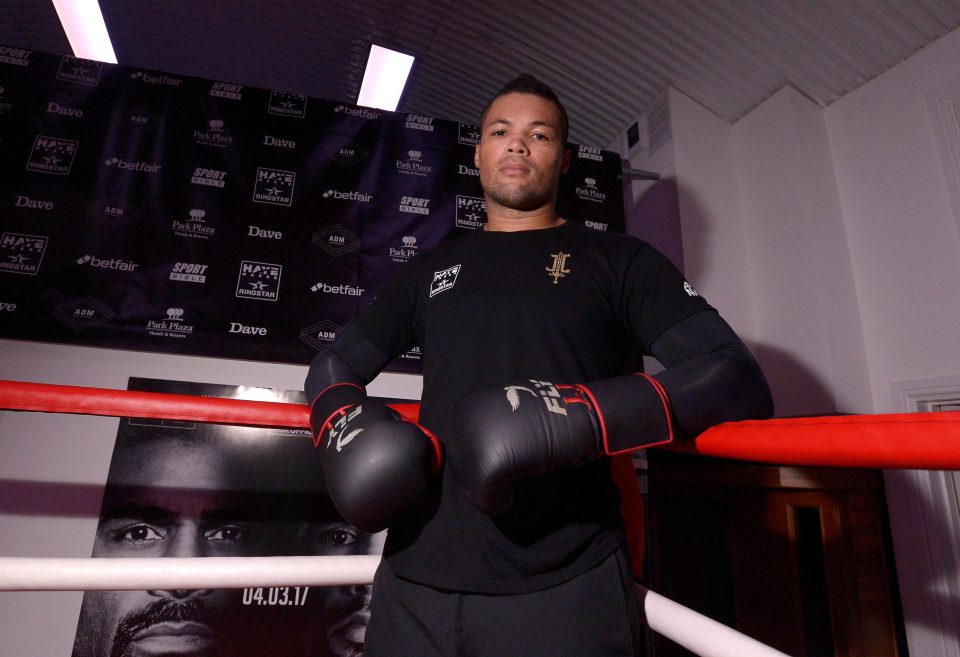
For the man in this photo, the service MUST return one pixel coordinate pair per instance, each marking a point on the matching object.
(504, 535)
(220, 491)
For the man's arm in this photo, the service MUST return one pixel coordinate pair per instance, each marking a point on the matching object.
(376, 465)
(710, 377)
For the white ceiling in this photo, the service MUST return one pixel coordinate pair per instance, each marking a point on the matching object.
(608, 59)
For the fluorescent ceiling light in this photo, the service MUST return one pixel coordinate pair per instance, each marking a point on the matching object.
(384, 79)
(86, 31)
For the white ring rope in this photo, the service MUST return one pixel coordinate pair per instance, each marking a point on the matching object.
(688, 628)
(148, 574)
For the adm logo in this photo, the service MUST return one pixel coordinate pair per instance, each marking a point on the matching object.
(320, 335)
(348, 154)
(112, 212)
(336, 240)
(83, 313)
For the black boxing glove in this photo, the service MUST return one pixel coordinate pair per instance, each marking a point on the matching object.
(376, 464)
(536, 427)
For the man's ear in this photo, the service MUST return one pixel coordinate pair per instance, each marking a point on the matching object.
(565, 165)
(476, 156)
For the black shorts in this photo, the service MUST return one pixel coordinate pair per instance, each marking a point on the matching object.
(594, 614)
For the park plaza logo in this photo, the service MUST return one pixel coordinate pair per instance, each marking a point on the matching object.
(468, 134)
(348, 154)
(414, 354)
(215, 134)
(227, 90)
(336, 240)
(471, 212)
(405, 252)
(81, 71)
(83, 313)
(590, 153)
(63, 110)
(343, 289)
(415, 205)
(112, 212)
(464, 170)
(170, 326)
(259, 280)
(52, 155)
(138, 167)
(596, 225)
(263, 233)
(274, 186)
(320, 335)
(15, 56)
(22, 254)
(277, 142)
(359, 197)
(160, 80)
(188, 272)
(209, 177)
(31, 203)
(413, 165)
(284, 103)
(194, 226)
(589, 191)
(113, 264)
(418, 122)
(243, 329)
(357, 112)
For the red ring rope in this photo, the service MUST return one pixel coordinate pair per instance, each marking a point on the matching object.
(900, 440)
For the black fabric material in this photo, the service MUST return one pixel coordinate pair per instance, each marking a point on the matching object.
(596, 614)
(351, 359)
(567, 305)
(710, 375)
(632, 411)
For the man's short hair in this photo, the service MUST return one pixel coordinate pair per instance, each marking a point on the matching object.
(527, 84)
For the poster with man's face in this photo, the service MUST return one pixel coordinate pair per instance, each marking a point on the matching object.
(185, 489)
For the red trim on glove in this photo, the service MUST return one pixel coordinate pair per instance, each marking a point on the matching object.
(436, 455)
(334, 385)
(328, 424)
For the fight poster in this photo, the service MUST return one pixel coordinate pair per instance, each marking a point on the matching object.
(151, 211)
(186, 489)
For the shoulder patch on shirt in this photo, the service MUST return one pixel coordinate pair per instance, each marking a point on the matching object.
(444, 280)
(689, 290)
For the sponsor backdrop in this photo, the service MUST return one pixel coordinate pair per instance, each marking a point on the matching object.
(150, 211)
(184, 489)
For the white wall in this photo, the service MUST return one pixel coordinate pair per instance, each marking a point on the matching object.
(64, 459)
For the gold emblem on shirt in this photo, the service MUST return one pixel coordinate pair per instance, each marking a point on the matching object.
(557, 269)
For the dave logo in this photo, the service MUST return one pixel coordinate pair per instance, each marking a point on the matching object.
(22, 254)
(444, 280)
(274, 186)
(52, 155)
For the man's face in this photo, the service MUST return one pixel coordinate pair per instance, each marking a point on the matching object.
(521, 152)
(174, 500)
(345, 610)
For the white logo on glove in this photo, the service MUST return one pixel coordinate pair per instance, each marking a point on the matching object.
(545, 390)
(340, 426)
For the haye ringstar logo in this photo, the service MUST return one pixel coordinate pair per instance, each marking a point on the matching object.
(284, 103)
(468, 134)
(274, 186)
(81, 71)
(259, 280)
(52, 155)
(471, 212)
(22, 254)
(444, 280)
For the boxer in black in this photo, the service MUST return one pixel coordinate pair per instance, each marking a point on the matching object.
(504, 529)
